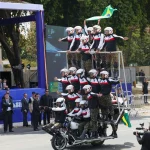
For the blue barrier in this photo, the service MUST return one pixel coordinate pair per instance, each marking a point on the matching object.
(129, 90)
(129, 87)
(17, 95)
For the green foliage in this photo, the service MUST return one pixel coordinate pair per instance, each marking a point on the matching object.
(28, 44)
(130, 20)
(32, 63)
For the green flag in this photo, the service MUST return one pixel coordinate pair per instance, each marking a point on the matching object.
(125, 119)
(107, 13)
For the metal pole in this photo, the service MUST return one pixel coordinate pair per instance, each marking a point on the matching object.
(41, 55)
(119, 64)
(119, 117)
(67, 61)
(117, 98)
(125, 79)
(1, 62)
(115, 52)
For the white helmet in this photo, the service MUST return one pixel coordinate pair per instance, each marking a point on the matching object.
(84, 38)
(73, 70)
(82, 102)
(93, 72)
(105, 73)
(66, 71)
(90, 29)
(70, 29)
(81, 72)
(97, 28)
(70, 87)
(78, 100)
(88, 88)
(108, 30)
(78, 29)
(60, 100)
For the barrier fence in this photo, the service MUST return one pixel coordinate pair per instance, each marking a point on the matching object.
(140, 79)
(138, 106)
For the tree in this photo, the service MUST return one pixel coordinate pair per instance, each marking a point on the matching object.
(28, 43)
(9, 38)
(16, 45)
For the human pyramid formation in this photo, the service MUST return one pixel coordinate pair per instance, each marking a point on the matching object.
(84, 95)
(88, 46)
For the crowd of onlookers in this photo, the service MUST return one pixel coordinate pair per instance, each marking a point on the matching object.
(37, 106)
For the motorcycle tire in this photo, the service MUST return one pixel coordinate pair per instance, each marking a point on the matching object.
(97, 143)
(58, 142)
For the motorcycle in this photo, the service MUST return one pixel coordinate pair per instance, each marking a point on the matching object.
(67, 135)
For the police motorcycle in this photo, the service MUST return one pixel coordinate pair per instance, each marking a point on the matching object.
(67, 135)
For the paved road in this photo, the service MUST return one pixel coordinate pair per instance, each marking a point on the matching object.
(26, 139)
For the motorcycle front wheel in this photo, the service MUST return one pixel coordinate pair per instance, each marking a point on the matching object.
(58, 142)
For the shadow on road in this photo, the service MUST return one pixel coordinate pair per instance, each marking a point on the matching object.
(22, 131)
(126, 145)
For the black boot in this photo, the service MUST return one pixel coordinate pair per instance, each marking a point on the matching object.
(114, 133)
(82, 136)
(104, 130)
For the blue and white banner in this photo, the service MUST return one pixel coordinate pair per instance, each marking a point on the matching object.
(17, 95)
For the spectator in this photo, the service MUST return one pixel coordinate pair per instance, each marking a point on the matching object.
(46, 103)
(142, 76)
(25, 109)
(7, 107)
(36, 112)
(5, 86)
(7, 92)
(145, 89)
(140, 72)
(1, 84)
(31, 106)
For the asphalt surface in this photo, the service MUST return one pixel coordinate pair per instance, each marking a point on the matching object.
(24, 138)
